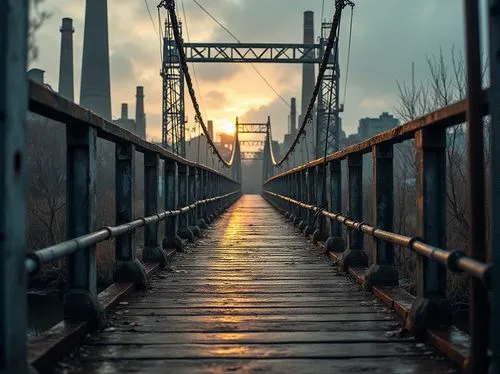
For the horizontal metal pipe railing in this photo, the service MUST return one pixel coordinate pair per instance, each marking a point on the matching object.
(456, 261)
(35, 260)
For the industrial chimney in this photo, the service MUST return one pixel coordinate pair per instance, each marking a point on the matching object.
(211, 129)
(293, 117)
(308, 78)
(95, 86)
(124, 111)
(66, 85)
(140, 116)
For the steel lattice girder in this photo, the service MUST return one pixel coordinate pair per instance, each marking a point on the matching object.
(253, 52)
(252, 128)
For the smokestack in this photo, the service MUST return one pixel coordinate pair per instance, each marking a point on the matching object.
(95, 87)
(36, 75)
(124, 111)
(211, 129)
(308, 78)
(293, 116)
(66, 88)
(140, 116)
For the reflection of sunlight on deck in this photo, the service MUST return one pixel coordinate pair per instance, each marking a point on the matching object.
(231, 234)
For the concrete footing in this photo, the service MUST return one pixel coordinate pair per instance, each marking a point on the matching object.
(353, 257)
(173, 242)
(195, 230)
(308, 230)
(335, 244)
(154, 255)
(186, 233)
(80, 305)
(381, 275)
(429, 313)
(130, 271)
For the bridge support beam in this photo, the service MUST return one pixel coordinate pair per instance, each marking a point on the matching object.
(311, 199)
(184, 232)
(13, 106)
(354, 255)
(382, 272)
(171, 240)
(335, 243)
(320, 232)
(431, 309)
(153, 251)
(80, 302)
(193, 197)
(127, 267)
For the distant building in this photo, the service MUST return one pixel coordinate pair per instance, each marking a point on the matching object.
(124, 121)
(369, 127)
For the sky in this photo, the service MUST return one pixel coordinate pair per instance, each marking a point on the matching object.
(387, 36)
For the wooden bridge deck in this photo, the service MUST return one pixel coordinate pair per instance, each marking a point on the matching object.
(254, 296)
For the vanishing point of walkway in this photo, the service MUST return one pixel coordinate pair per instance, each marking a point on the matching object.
(253, 296)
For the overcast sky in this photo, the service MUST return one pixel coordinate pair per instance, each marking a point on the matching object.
(387, 36)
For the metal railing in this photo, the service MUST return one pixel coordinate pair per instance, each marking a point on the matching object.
(299, 193)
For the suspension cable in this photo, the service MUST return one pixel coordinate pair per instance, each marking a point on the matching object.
(170, 6)
(339, 6)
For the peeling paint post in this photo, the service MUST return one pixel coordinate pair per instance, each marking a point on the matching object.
(184, 232)
(430, 308)
(13, 106)
(127, 267)
(494, 13)
(303, 198)
(152, 250)
(310, 199)
(319, 233)
(383, 272)
(354, 255)
(193, 197)
(80, 301)
(171, 240)
(335, 243)
(298, 195)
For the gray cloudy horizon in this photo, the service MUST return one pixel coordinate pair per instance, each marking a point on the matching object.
(388, 35)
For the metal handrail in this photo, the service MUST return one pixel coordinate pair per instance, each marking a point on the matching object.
(456, 261)
(35, 260)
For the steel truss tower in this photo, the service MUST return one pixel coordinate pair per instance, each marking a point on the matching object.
(328, 101)
(173, 121)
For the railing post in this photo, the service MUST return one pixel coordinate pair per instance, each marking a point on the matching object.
(193, 196)
(80, 302)
(127, 267)
(298, 196)
(184, 232)
(311, 199)
(152, 250)
(202, 187)
(303, 198)
(209, 185)
(382, 271)
(431, 308)
(494, 180)
(319, 233)
(171, 181)
(335, 243)
(355, 255)
(13, 162)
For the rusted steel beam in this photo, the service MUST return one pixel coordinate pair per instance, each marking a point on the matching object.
(451, 115)
(127, 267)
(355, 255)
(382, 271)
(478, 295)
(49, 104)
(494, 50)
(80, 302)
(171, 240)
(13, 182)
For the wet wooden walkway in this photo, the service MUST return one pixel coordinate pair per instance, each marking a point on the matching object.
(254, 296)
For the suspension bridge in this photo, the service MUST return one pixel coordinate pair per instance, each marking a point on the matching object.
(277, 282)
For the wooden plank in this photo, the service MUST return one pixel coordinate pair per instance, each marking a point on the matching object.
(252, 295)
